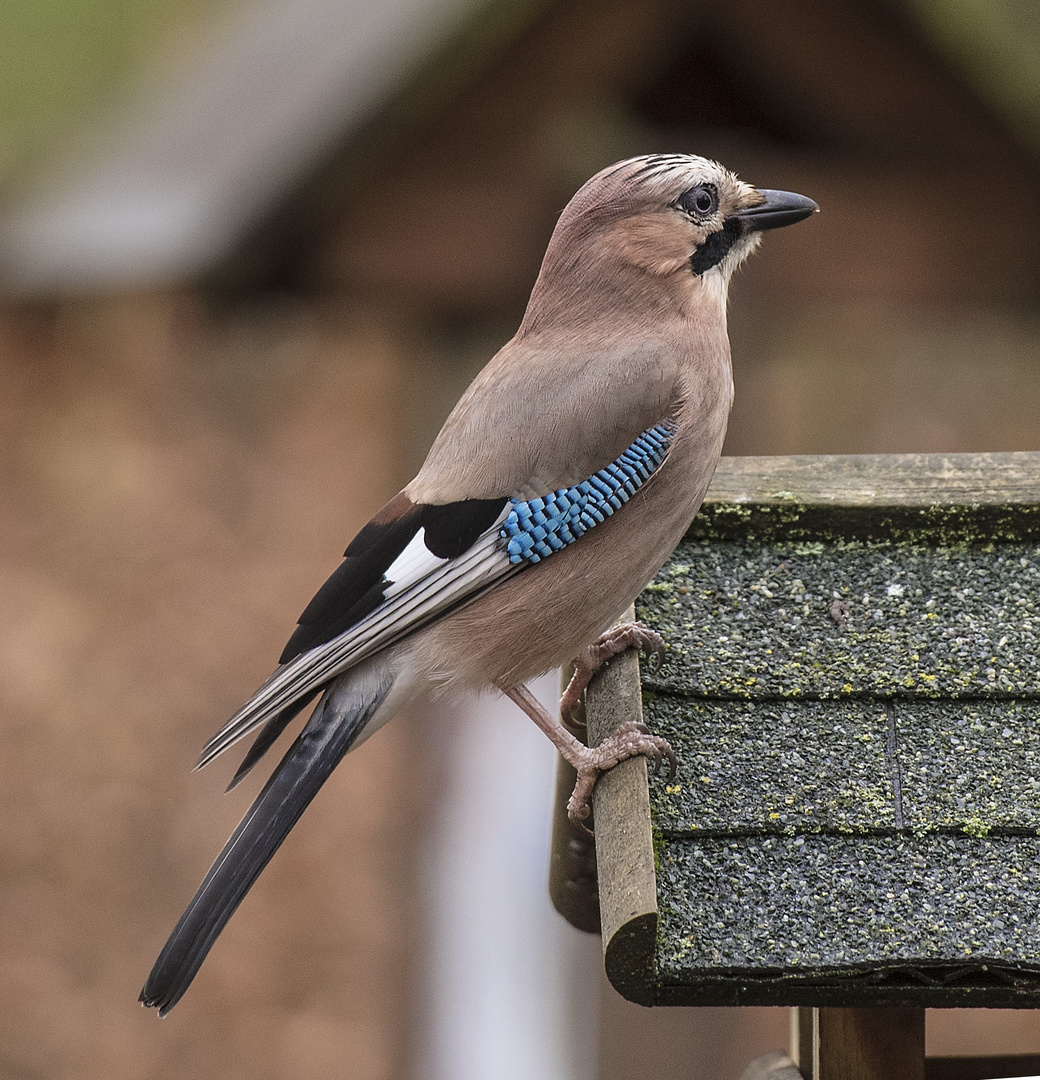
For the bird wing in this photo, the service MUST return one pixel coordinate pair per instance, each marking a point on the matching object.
(548, 413)
(439, 566)
(415, 586)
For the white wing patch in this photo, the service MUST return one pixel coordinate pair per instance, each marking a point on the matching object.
(412, 565)
(421, 586)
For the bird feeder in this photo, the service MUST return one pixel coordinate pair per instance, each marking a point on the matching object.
(852, 690)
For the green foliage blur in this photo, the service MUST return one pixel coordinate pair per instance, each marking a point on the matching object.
(60, 60)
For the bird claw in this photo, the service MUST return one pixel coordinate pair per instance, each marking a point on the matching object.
(578, 808)
(633, 635)
(663, 755)
(618, 639)
(654, 651)
(673, 765)
(631, 739)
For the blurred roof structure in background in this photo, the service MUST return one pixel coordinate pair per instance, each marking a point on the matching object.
(168, 183)
(190, 167)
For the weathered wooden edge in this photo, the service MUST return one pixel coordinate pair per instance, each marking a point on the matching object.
(572, 860)
(758, 990)
(896, 480)
(624, 839)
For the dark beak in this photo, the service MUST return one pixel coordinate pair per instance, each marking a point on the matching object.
(780, 208)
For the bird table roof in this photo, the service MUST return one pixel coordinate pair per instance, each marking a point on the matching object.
(852, 691)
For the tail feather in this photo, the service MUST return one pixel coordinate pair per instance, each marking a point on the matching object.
(268, 736)
(330, 732)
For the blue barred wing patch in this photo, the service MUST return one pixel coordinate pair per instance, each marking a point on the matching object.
(535, 528)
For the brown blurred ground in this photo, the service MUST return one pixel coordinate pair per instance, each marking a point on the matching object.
(171, 496)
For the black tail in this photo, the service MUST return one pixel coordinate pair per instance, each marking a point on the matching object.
(309, 762)
(268, 736)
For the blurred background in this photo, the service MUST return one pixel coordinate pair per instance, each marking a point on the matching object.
(251, 251)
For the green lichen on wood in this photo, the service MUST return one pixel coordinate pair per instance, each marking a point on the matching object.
(933, 524)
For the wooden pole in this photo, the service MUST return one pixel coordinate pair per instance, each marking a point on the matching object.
(859, 1044)
(572, 856)
(803, 1040)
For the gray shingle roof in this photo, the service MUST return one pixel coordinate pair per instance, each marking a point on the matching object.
(856, 815)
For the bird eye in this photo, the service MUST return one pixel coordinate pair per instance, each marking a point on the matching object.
(701, 200)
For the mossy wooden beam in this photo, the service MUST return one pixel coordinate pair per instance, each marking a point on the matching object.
(878, 480)
(624, 842)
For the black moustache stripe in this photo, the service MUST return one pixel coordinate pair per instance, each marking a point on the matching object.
(716, 247)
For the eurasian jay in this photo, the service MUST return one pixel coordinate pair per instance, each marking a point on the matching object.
(556, 489)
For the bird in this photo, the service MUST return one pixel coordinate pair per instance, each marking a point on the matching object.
(558, 486)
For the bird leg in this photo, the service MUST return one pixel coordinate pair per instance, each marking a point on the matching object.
(626, 635)
(629, 740)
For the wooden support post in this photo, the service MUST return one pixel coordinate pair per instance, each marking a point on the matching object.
(803, 1040)
(859, 1044)
(572, 860)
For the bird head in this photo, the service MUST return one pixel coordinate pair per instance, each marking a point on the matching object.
(665, 216)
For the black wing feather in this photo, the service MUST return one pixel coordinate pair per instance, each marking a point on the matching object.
(453, 528)
(358, 584)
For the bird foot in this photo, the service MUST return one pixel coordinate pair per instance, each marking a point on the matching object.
(629, 740)
(626, 635)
